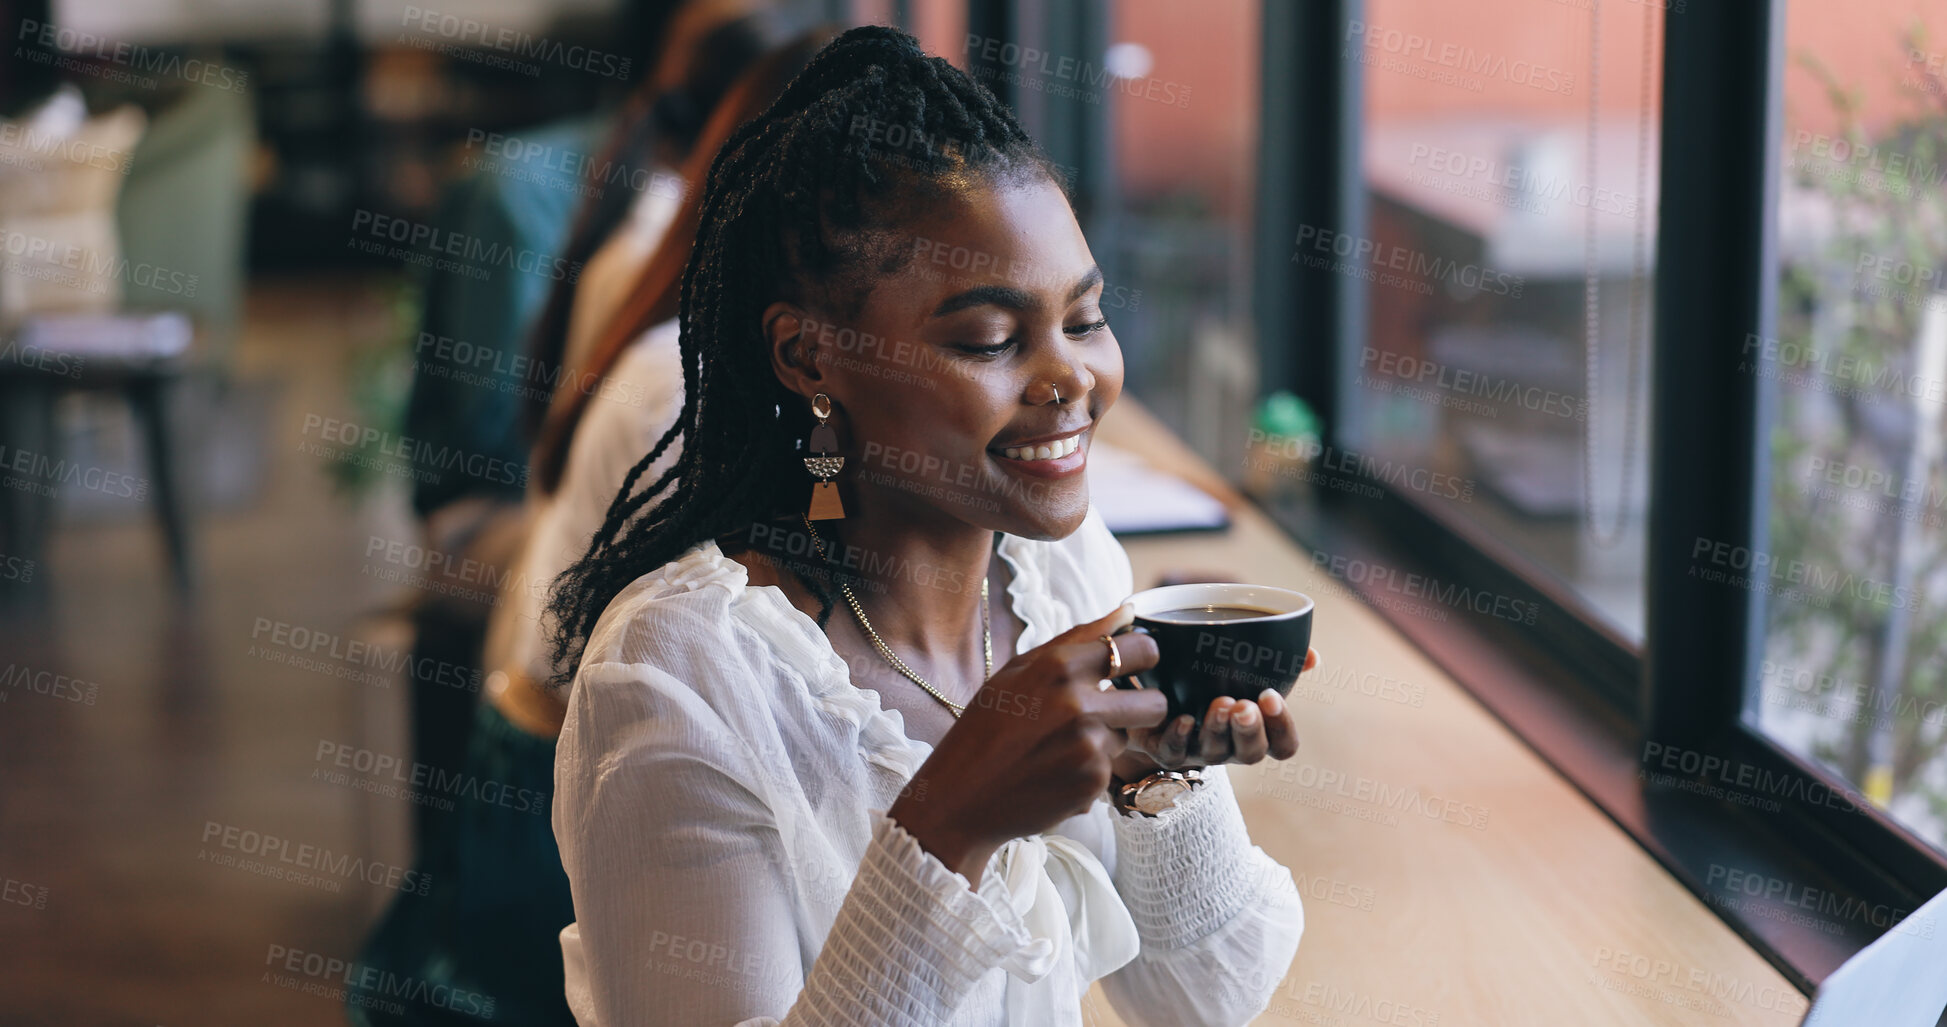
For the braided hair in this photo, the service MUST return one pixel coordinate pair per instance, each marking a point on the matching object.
(802, 204)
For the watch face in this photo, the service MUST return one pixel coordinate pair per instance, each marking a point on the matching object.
(1157, 796)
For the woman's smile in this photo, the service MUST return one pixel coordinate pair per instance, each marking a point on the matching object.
(1049, 456)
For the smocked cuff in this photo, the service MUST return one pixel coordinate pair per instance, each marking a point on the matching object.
(1187, 872)
(910, 941)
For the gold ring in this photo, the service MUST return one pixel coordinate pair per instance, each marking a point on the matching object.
(1115, 656)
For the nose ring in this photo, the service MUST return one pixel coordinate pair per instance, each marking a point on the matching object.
(1057, 389)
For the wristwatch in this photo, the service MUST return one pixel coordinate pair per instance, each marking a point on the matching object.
(1151, 795)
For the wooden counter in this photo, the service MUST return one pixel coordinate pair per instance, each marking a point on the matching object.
(1450, 877)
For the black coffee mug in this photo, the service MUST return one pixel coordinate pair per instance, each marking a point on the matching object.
(1221, 638)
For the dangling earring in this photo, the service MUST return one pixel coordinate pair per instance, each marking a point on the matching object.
(825, 504)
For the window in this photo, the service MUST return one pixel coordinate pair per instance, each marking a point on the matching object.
(1854, 576)
(1742, 608)
(1183, 119)
(1507, 260)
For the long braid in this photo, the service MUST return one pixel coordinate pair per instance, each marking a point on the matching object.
(798, 203)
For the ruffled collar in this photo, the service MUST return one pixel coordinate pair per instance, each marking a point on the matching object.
(882, 732)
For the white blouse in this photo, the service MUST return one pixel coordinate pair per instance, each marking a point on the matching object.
(720, 800)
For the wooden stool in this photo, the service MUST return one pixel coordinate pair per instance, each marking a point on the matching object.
(141, 356)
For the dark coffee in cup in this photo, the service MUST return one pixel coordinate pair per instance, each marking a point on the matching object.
(1213, 614)
(1218, 638)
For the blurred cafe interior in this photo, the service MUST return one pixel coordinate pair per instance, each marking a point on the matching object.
(1583, 361)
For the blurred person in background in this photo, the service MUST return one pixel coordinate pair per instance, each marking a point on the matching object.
(477, 519)
(498, 899)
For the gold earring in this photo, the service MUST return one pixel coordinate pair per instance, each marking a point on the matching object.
(825, 504)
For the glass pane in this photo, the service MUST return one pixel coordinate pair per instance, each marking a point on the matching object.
(1855, 572)
(1180, 85)
(1507, 262)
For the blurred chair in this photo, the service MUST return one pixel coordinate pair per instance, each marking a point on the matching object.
(119, 229)
(143, 358)
(61, 173)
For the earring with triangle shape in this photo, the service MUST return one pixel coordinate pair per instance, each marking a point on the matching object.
(824, 464)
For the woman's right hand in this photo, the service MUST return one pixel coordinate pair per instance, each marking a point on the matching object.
(1033, 748)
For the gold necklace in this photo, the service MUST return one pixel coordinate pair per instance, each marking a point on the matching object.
(986, 633)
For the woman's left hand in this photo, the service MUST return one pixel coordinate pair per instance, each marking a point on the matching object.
(1234, 731)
